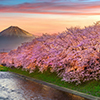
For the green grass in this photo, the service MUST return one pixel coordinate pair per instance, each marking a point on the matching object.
(3, 68)
(91, 87)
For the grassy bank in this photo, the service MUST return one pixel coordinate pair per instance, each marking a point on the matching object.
(91, 87)
(3, 68)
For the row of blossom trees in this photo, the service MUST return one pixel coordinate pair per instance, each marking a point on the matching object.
(73, 54)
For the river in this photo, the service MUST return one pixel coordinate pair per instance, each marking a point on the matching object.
(15, 88)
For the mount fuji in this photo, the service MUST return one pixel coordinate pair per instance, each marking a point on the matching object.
(12, 37)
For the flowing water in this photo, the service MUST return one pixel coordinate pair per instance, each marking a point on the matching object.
(16, 88)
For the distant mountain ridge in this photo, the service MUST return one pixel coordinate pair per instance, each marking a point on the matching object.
(12, 37)
(15, 31)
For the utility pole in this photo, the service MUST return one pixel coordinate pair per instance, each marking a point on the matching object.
(3, 50)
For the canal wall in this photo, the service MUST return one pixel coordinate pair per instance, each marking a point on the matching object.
(73, 92)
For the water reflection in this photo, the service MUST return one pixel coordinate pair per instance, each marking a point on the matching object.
(15, 88)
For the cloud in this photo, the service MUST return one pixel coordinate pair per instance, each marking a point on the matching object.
(70, 8)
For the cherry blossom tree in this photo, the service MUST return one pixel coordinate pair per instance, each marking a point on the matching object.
(73, 54)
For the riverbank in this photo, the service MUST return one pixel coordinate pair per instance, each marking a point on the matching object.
(91, 87)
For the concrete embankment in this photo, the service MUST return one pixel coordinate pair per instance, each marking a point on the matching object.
(72, 92)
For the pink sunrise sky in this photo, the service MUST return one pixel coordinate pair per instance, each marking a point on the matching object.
(48, 16)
